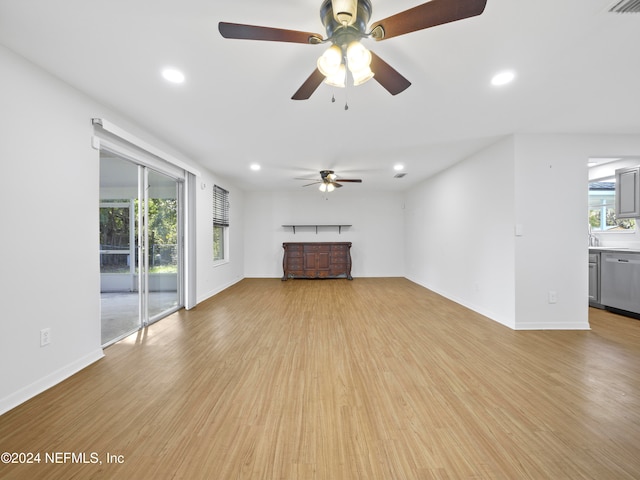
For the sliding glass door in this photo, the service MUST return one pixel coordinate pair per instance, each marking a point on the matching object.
(140, 246)
(163, 260)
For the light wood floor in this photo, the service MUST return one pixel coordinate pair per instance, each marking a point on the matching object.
(371, 379)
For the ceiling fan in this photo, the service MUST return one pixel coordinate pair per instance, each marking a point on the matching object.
(345, 22)
(329, 181)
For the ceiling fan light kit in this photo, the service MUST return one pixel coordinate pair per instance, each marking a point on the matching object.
(330, 61)
(345, 22)
(329, 181)
(326, 187)
(332, 64)
(337, 78)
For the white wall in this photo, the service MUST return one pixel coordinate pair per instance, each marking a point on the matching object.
(48, 201)
(536, 181)
(551, 187)
(459, 237)
(377, 233)
(214, 277)
(49, 213)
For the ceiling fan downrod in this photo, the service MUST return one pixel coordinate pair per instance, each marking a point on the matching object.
(341, 32)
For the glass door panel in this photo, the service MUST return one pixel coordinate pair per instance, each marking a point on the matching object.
(163, 245)
(119, 291)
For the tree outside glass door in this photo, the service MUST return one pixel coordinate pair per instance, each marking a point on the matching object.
(163, 245)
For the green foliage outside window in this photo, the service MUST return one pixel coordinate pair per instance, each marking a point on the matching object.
(602, 215)
(163, 235)
(218, 243)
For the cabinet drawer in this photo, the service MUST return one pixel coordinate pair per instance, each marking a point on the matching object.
(294, 263)
(339, 248)
(317, 248)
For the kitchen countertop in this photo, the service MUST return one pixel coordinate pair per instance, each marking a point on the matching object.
(615, 249)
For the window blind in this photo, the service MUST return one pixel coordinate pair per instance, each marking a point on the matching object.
(220, 207)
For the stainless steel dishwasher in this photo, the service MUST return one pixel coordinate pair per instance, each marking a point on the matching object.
(620, 280)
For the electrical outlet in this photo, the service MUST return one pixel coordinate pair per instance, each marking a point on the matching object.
(45, 337)
(553, 296)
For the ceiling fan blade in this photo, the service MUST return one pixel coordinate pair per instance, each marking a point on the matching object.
(252, 32)
(309, 184)
(309, 86)
(337, 185)
(387, 76)
(352, 180)
(427, 15)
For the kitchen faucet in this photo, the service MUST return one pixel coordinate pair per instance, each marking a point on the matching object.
(593, 240)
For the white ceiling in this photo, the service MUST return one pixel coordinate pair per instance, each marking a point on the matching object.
(578, 71)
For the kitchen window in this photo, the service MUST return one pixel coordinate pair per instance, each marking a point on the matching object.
(602, 215)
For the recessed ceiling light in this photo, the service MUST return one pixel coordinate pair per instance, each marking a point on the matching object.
(255, 167)
(172, 75)
(398, 167)
(502, 78)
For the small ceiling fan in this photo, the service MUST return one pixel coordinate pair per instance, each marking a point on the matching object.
(345, 22)
(329, 181)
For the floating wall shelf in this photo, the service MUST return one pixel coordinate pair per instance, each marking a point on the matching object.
(339, 227)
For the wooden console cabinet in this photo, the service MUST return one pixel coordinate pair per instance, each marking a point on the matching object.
(317, 260)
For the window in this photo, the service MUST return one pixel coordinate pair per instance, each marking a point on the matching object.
(602, 215)
(220, 223)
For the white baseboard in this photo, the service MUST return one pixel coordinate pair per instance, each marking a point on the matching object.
(482, 311)
(495, 318)
(211, 293)
(554, 326)
(13, 400)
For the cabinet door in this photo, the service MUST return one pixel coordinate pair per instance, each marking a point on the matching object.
(324, 260)
(310, 261)
(628, 192)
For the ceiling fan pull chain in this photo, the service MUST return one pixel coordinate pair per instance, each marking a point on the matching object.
(346, 84)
